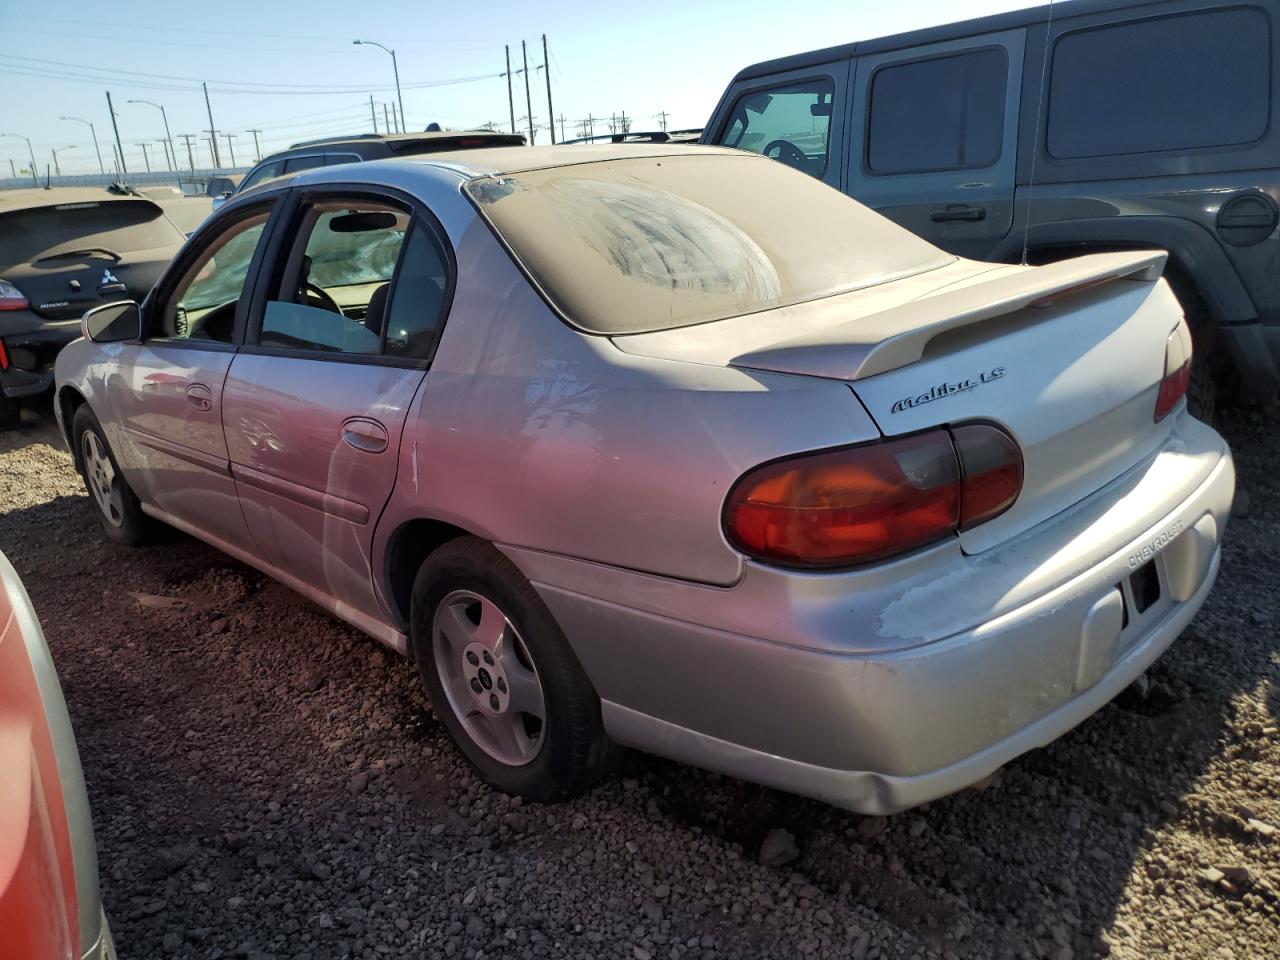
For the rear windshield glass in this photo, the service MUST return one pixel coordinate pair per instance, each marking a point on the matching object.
(120, 226)
(628, 246)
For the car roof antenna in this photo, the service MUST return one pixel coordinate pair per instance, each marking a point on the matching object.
(1035, 146)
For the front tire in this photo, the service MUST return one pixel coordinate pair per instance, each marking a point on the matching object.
(111, 498)
(502, 677)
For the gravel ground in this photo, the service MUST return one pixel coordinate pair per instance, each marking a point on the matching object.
(268, 783)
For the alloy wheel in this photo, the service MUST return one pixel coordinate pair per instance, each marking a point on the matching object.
(100, 475)
(488, 677)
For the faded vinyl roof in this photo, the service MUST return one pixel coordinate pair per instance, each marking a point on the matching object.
(32, 198)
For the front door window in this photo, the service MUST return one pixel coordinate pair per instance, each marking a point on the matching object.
(203, 305)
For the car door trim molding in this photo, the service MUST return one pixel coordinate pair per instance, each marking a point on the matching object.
(348, 510)
(176, 450)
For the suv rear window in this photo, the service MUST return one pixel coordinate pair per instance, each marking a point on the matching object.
(946, 113)
(1175, 83)
(629, 246)
(120, 226)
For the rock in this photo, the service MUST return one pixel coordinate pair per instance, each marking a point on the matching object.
(860, 946)
(917, 828)
(778, 848)
(1238, 876)
(156, 602)
(475, 927)
(359, 783)
(171, 941)
(872, 826)
(1260, 828)
(1212, 874)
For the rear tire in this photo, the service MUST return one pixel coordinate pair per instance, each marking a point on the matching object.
(10, 413)
(1202, 395)
(111, 498)
(502, 678)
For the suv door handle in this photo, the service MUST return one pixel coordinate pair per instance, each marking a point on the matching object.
(958, 211)
(201, 397)
(365, 435)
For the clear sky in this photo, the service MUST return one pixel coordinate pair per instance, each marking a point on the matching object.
(291, 70)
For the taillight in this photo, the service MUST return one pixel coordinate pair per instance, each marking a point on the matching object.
(4, 357)
(860, 504)
(1177, 371)
(11, 298)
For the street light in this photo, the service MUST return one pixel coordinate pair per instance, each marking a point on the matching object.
(395, 67)
(54, 150)
(34, 178)
(101, 168)
(165, 118)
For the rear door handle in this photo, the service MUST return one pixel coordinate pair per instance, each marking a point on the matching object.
(365, 435)
(958, 211)
(201, 397)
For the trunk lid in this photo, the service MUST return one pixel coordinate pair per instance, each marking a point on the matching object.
(1067, 358)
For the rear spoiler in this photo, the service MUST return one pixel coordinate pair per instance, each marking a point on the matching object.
(897, 337)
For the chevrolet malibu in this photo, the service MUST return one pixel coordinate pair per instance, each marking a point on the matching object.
(672, 448)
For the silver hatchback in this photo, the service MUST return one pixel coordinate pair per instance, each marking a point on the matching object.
(673, 448)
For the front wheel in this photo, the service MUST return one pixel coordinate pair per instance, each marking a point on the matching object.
(112, 499)
(502, 677)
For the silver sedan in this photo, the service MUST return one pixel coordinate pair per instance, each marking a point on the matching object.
(672, 448)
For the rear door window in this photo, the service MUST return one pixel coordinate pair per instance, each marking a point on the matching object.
(1173, 83)
(945, 113)
(788, 123)
(364, 279)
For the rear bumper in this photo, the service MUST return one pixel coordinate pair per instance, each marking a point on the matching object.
(1048, 633)
(31, 355)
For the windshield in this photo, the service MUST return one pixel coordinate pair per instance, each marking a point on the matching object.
(121, 226)
(641, 244)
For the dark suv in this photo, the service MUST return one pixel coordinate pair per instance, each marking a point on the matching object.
(1099, 125)
(372, 146)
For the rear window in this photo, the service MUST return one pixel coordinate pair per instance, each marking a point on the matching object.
(628, 246)
(941, 114)
(1177, 83)
(119, 226)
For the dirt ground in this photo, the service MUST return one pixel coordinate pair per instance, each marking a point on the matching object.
(268, 783)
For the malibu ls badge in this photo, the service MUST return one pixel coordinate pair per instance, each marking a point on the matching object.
(948, 389)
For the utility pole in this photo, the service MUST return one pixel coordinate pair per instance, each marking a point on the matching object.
(256, 149)
(191, 157)
(212, 141)
(13, 171)
(661, 116)
(164, 145)
(562, 136)
(385, 122)
(56, 169)
(373, 115)
(231, 147)
(591, 126)
(213, 131)
(546, 74)
(146, 158)
(116, 128)
(528, 101)
(625, 121)
(101, 168)
(511, 100)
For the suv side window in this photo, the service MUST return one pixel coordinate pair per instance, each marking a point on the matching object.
(364, 278)
(294, 164)
(945, 113)
(203, 305)
(268, 171)
(1173, 83)
(788, 123)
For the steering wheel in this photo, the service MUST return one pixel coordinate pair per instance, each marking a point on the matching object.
(787, 152)
(316, 296)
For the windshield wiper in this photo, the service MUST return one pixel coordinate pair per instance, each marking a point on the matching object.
(87, 251)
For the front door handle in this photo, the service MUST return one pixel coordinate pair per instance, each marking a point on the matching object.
(201, 397)
(365, 435)
(958, 211)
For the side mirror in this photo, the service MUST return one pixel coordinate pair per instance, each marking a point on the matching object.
(113, 323)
